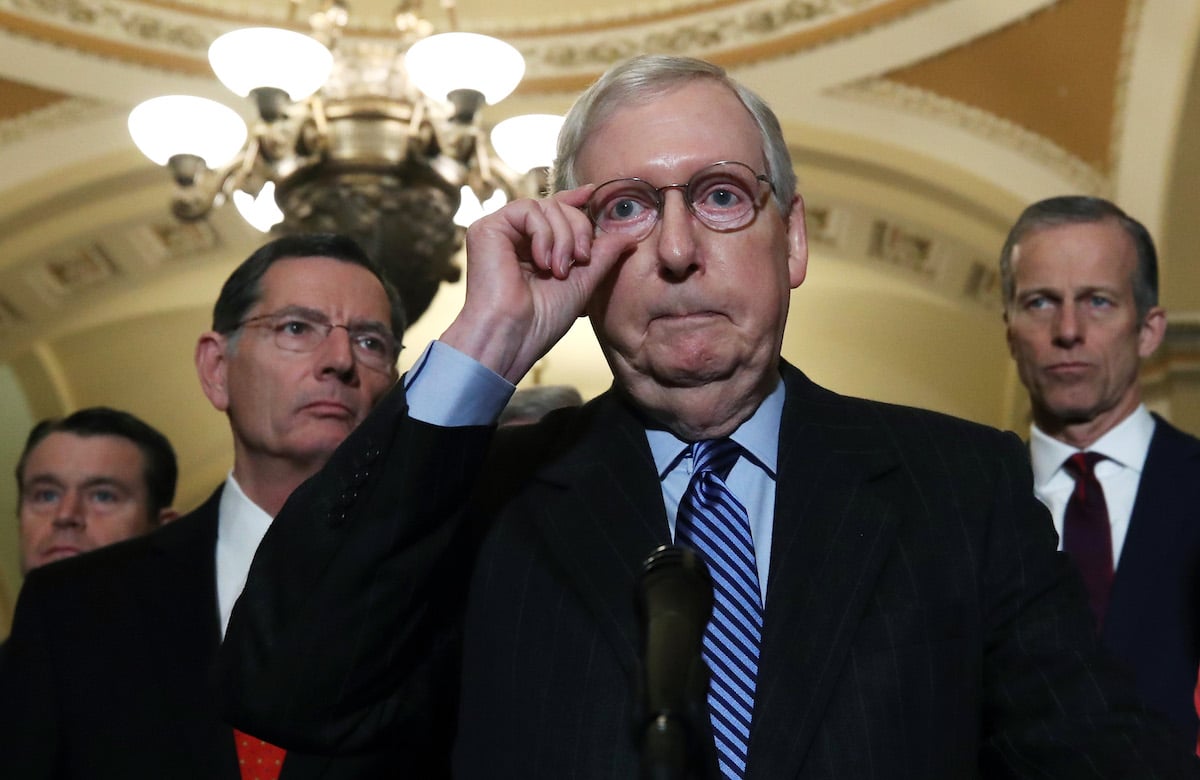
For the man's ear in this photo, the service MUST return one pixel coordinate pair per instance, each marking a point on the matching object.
(166, 515)
(1152, 332)
(212, 366)
(797, 238)
(1008, 335)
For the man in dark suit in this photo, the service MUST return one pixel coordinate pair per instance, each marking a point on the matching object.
(92, 478)
(107, 670)
(909, 616)
(1080, 285)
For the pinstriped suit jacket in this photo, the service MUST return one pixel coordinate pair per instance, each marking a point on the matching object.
(919, 623)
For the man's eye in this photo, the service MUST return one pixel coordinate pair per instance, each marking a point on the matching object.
(623, 209)
(1037, 302)
(103, 496)
(371, 342)
(43, 496)
(1100, 302)
(722, 196)
(295, 327)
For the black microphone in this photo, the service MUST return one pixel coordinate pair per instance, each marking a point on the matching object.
(674, 596)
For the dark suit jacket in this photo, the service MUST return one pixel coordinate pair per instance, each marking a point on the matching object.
(919, 623)
(107, 670)
(1153, 618)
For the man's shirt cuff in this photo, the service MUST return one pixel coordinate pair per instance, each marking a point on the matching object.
(447, 388)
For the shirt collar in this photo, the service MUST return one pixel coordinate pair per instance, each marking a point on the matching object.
(238, 513)
(1127, 443)
(758, 436)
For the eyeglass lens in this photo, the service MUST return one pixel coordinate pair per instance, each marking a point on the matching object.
(296, 333)
(724, 196)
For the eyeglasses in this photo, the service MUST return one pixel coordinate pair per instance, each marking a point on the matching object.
(723, 196)
(304, 331)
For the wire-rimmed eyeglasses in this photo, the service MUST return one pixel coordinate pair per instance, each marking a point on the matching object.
(723, 196)
(303, 330)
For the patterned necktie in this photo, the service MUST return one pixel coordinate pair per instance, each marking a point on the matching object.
(1087, 537)
(714, 523)
(257, 760)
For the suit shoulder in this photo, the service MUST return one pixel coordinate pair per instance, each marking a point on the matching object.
(826, 407)
(1175, 439)
(910, 423)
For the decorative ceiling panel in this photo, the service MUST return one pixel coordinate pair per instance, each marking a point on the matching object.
(1054, 74)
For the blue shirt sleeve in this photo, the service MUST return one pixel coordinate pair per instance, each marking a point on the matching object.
(447, 388)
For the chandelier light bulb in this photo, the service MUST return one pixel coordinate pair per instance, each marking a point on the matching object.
(171, 125)
(470, 209)
(262, 212)
(528, 141)
(441, 64)
(255, 57)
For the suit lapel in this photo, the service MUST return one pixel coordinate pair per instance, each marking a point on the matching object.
(832, 532)
(181, 607)
(604, 515)
(1170, 468)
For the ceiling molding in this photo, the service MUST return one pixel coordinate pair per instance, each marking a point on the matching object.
(982, 124)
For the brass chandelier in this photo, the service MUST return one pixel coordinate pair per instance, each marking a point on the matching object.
(381, 141)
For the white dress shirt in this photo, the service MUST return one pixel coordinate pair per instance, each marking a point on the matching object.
(241, 525)
(1125, 448)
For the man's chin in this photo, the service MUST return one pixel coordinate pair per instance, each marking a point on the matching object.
(1073, 412)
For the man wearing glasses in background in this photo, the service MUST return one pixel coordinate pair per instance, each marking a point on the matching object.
(106, 673)
(889, 600)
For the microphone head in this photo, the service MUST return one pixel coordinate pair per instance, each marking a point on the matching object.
(674, 598)
(676, 580)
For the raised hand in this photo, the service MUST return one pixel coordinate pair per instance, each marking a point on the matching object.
(531, 268)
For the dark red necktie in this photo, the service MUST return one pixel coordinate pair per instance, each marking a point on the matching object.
(257, 760)
(1087, 536)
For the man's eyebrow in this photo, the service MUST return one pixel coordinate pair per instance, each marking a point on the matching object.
(371, 325)
(296, 310)
(1045, 292)
(105, 481)
(37, 480)
(358, 323)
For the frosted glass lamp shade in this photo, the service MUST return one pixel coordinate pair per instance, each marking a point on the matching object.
(528, 141)
(255, 57)
(170, 125)
(440, 64)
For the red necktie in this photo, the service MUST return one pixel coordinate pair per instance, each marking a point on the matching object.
(1196, 702)
(1087, 537)
(257, 760)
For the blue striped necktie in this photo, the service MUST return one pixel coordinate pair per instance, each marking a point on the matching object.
(714, 523)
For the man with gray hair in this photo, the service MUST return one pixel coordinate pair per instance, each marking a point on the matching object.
(1080, 284)
(888, 600)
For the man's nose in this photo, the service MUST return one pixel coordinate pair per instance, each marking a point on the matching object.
(1068, 327)
(676, 235)
(336, 353)
(69, 510)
